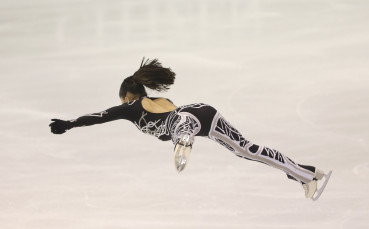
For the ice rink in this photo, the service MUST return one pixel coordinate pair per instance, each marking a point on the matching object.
(290, 75)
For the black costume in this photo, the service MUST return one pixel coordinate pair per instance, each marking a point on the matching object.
(197, 120)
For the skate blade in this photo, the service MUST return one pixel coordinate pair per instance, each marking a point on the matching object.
(320, 190)
(181, 157)
(180, 163)
(182, 153)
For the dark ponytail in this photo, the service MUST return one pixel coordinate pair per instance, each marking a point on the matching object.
(151, 74)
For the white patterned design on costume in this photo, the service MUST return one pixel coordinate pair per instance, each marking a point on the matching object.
(156, 128)
(159, 128)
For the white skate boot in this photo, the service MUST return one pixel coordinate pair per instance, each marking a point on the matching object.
(311, 189)
(182, 152)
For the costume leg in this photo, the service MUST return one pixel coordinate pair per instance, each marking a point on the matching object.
(224, 133)
(186, 123)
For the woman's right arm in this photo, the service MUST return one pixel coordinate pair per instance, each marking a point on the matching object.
(114, 113)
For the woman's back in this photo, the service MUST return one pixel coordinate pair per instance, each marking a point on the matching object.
(157, 105)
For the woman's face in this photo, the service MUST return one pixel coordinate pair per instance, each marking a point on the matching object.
(129, 97)
(123, 100)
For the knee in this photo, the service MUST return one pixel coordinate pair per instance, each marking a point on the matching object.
(251, 150)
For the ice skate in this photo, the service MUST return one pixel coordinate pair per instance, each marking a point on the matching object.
(311, 189)
(182, 152)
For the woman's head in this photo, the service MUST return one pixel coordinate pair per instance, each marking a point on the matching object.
(151, 74)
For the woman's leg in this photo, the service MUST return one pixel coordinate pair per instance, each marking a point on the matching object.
(204, 120)
(224, 133)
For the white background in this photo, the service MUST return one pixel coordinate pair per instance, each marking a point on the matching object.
(290, 75)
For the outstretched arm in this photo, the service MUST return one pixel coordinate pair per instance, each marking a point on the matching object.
(118, 112)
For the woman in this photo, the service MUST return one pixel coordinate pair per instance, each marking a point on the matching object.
(161, 118)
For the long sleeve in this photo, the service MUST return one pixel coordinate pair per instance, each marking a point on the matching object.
(123, 111)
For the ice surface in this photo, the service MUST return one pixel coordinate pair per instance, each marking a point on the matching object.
(291, 75)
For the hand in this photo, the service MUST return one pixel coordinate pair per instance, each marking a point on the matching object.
(59, 126)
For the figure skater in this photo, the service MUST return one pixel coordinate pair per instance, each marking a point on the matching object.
(161, 118)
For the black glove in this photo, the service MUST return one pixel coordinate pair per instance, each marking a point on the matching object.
(60, 126)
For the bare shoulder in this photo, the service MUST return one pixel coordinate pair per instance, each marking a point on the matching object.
(159, 105)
